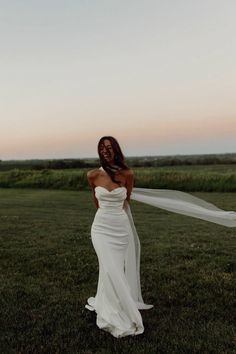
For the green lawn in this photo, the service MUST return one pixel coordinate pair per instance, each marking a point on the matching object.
(49, 268)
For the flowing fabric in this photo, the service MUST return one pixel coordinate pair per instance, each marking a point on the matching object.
(174, 201)
(116, 242)
(184, 203)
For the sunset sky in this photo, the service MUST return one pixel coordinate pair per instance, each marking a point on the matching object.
(160, 76)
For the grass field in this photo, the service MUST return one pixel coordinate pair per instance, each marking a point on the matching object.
(49, 269)
(207, 178)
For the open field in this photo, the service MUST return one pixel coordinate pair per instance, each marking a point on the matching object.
(49, 269)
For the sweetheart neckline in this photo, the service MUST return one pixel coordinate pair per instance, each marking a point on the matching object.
(108, 190)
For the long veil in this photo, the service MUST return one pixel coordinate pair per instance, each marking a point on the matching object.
(174, 201)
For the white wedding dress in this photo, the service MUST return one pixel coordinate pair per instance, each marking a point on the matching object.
(118, 298)
(116, 308)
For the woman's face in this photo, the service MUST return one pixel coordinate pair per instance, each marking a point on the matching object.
(107, 151)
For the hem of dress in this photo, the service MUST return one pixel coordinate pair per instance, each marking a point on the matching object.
(114, 331)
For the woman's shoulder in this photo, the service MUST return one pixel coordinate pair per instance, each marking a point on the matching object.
(128, 172)
(91, 174)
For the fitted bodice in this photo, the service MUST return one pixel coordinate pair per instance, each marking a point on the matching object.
(111, 200)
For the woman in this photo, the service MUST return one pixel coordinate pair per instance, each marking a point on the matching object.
(115, 240)
(118, 298)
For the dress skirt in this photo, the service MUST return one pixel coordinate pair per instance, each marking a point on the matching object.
(116, 310)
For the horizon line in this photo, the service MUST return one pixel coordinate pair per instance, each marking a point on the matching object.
(127, 156)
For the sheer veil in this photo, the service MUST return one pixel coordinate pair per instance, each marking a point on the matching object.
(174, 201)
(184, 203)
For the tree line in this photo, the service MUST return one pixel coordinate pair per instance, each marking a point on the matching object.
(132, 161)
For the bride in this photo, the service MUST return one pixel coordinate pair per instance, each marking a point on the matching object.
(115, 303)
(115, 240)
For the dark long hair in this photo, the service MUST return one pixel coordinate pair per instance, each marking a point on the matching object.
(119, 159)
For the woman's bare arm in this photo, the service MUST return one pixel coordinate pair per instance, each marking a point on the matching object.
(129, 184)
(90, 176)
